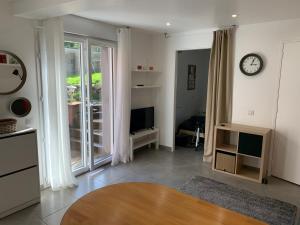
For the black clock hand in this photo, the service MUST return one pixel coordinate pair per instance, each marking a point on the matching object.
(252, 62)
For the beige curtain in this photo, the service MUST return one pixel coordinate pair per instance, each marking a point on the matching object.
(219, 89)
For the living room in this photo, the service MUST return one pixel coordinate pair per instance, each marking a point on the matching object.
(97, 68)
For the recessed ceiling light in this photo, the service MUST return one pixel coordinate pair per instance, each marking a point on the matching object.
(168, 24)
(234, 16)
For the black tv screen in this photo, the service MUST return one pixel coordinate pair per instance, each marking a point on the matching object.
(141, 119)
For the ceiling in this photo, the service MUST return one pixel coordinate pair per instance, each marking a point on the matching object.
(185, 15)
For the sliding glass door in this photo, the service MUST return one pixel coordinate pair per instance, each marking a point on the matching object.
(89, 75)
(76, 91)
(100, 97)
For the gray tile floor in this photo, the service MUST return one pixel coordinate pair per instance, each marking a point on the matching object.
(160, 166)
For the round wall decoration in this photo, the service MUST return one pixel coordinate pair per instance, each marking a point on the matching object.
(20, 107)
(251, 64)
(12, 73)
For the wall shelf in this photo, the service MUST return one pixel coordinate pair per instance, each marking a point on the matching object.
(145, 71)
(145, 86)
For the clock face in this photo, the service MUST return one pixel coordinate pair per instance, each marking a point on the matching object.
(251, 64)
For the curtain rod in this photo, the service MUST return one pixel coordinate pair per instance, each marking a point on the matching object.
(228, 27)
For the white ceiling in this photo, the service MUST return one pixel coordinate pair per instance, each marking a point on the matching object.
(186, 15)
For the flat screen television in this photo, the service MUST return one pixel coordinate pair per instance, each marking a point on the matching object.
(141, 119)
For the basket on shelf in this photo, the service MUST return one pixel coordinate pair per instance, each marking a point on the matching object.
(7, 126)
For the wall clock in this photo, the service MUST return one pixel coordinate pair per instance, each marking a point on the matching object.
(251, 64)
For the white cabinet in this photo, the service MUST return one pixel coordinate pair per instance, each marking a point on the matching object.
(19, 175)
(17, 153)
(18, 189)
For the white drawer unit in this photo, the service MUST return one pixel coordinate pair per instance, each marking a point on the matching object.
(18, 189)
(17, 153)
(19, 173)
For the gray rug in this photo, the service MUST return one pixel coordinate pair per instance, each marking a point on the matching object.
(268, 210)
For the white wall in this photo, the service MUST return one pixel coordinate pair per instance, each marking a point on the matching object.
(17, 36)
(143, 53)
(258, 93)
(165, 53)
(142, 48)
(79, 25)
(191, 102)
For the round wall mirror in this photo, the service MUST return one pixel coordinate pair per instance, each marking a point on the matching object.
(12, 73)
(20, 107)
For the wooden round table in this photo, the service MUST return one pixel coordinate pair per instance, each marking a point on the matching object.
(148, 204)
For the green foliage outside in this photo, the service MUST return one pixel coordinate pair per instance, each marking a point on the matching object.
(75, 79)
(72, 45)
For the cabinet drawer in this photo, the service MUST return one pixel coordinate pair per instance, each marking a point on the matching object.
(18, 152)
(225, 162)
(19, 188)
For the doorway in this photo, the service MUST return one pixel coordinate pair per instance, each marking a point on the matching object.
(89, 78)
(190, 97)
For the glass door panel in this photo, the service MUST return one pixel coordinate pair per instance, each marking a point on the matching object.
(89, 75)
(100, 79)
(76, 104)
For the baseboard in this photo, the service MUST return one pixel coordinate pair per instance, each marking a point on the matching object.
(163, 147)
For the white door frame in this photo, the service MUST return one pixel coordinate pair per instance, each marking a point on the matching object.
(82, 41)
(87, 145)
(105, 44)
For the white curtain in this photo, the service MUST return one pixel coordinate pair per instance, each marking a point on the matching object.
(57, 139)
(122, 107)
(106, 95)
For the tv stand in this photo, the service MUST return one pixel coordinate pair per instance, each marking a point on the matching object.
(142, 138)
